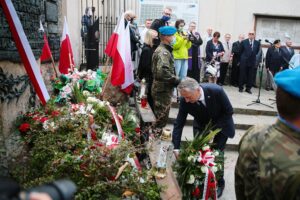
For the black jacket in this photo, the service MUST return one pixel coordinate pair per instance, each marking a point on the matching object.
(219, 108)
(210, 48)
(156, 24)
(144, 68)
(274, 59)
(236, 50)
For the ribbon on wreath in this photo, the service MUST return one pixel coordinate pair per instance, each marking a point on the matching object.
(118, 124)
(210, 186)
(207, 159)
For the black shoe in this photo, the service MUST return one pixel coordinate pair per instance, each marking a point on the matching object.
(249, 91)
(240, 90)
(220, 191)
(255, 86)
(267, 89)
(220, 84)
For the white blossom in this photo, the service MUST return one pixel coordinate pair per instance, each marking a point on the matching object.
(205, 148)
(191, 179)
(204, 169)
(214, 169)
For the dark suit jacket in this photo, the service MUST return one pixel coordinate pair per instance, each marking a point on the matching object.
(286, 55)
(220, 112)
(248, 54)
(210, 49)
(274, 60)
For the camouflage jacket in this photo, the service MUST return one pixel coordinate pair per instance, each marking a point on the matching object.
(164, 77)
(268, 166)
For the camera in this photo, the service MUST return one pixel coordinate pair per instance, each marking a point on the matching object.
(58, 190)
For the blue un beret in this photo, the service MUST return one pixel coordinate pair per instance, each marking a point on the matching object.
(289, 81)
(167, 30)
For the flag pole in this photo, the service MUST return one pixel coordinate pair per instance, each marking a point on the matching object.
(72, 67)
(53, 65)
(109, 75)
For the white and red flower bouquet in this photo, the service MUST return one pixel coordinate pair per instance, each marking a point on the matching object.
(199, 166)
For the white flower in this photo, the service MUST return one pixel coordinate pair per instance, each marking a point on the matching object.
(191, 179)
(190, 158)
(204, 169)
(216, 153)
(214, 169)
(205, 148)
(92, 100)
(86, 93)
(45, 125)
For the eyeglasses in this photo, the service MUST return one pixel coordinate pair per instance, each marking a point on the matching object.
(169, 14)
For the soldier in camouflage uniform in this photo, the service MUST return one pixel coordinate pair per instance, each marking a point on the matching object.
(268, 166)
(164, 77)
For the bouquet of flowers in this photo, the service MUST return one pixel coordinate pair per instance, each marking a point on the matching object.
(198, 167)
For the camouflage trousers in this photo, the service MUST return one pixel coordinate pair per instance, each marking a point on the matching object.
(161, 106)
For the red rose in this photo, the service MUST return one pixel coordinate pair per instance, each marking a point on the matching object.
(36, 118)
(55, 113)
(43, 119)
(24, 127)
(137, 129)
(196, 192)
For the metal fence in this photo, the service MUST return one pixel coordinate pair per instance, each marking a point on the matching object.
(108, 12)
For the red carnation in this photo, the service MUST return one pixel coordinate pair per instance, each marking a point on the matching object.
(196, 192)
(24, 127)
(43, 119)
(93, 135)
(55, 113)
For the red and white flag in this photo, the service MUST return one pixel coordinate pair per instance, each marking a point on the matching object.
(66, 59)
(118, 47)
(25, 50)
(46, 52)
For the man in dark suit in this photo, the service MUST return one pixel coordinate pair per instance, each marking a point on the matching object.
(234, 77)
(249, 49)
(287, 52)
(157, 23)
(206, 103)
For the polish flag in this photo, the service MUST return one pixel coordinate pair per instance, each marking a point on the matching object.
(25, 50)
(118, 48)
(66, 60)
(46, 52)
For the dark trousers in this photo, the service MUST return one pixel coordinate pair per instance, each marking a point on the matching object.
(246, 76)
(254, 76)
(234, 77)
(223, 72)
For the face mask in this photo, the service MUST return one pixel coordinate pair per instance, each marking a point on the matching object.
(180, 29)
(173, 41)
(166, 18)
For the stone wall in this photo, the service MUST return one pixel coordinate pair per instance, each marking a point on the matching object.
(16, 93)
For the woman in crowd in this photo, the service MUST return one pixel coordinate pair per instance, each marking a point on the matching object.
(144, 68)
(214, 51)
(180, 49)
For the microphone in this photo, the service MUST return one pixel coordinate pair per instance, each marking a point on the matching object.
(267, 41)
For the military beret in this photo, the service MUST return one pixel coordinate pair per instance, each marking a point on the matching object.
(276, 41)
(167, 30)
(289, 81)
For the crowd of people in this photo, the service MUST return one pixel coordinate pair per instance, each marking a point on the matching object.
(172, 58)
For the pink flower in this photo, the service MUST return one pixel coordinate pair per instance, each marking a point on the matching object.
(55, 113)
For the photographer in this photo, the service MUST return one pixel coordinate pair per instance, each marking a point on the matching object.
(194, 61)
(180, 49)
